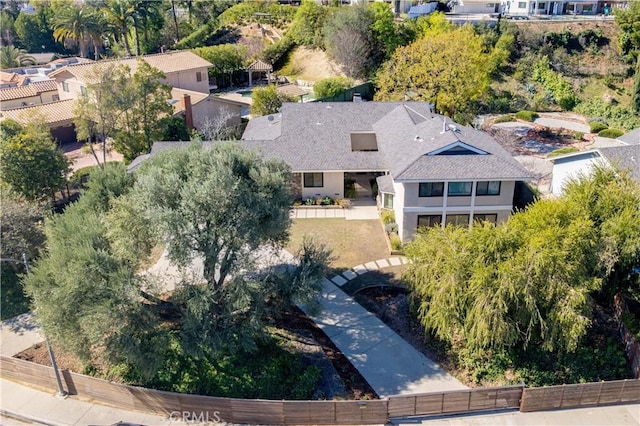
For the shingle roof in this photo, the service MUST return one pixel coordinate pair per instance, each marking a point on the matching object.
(33, 89)
(54, 113)
(317, 137)
(631, 138)
(624, 158)
(182, 60)
(178, 94)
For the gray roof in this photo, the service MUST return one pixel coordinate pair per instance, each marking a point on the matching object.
(385, 184)
(631, 138)
(317, 137)
(624, 158)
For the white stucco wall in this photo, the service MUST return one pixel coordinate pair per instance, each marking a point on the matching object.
(187, 80)
(333, 186)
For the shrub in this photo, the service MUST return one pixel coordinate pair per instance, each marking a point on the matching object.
(619, 116)
(562, 151)
(504, 119)
(563, 93)
(396, 243)
(278, 51)
(597, 126)
(391, 228)
(610, 133)
(526, 115)
(332, 86)
(388, 216)
(578, 135)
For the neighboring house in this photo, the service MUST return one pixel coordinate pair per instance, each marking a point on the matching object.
(182, 70)
(428, 171)
(558, 7)
(475, 6)
(40, 92)
(58, 115)
(631, 138)
(197, 108)
(581, 164)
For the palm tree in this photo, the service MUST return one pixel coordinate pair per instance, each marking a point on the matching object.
(120, 13)
(11, 57)
(74, 24)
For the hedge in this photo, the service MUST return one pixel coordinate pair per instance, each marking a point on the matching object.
(611, 133)
(597, 126)
(526, 115)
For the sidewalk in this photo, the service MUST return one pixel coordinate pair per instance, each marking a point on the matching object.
(619, 415)
(22, 404)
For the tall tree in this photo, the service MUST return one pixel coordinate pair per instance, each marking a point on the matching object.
(221, 205)
(120, 14)
(11, 57)
(98, 114)
(349, 39)
(226, 59)
(34, 32)
(446, 67)
(627, 20)
(149, 103)
(8, 29)
(31, 164)
(78, 24)
(306, 28)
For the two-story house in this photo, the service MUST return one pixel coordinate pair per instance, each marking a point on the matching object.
(429, 170)
(185, 72)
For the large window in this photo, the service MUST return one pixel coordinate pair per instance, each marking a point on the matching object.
(522, 5)
(429, 220)
(65, 86)
(431, 189)
(459, 189)
(482, 217)
(199, 76)
(387, 200)
(313, 180)
(488, 188)
(458, 219)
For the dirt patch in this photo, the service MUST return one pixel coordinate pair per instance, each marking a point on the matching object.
(344, 238)
(39, 354)
(354, 385)
(312, 65)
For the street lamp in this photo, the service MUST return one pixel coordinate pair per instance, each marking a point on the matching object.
(61, 391)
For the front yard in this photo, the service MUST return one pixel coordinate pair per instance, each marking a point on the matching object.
(353, 242)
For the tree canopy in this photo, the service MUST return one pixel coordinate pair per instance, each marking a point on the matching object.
(447, 66)
(529, 281)
(30, 162)
(267, 100)
(222, 205)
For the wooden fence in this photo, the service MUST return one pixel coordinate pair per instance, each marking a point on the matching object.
(323, 412)
(581, 395)
(458, 401)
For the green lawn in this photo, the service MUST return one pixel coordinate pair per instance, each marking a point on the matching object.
(353, 242)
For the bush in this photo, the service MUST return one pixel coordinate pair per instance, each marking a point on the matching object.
(610, 133)
(332, 86)
(396, 243)
(619, 116)
(526, 115)
(391, 228)
(278, 51)
(388, 216)
(504, 119)
(562, 151)
(597, 126)
(578, 135)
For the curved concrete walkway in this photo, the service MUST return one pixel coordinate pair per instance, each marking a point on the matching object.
(388, 362)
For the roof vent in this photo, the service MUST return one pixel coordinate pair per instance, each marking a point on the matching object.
(417, 138)
(454, 128)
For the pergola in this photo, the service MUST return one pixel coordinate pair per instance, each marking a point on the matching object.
(292, 90)
(259, 66)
